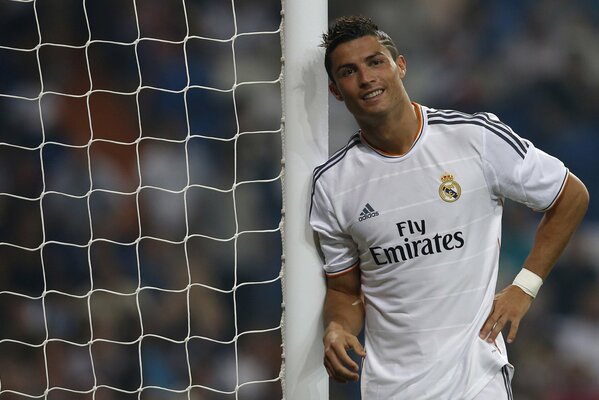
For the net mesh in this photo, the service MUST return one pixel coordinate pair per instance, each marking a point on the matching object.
(140, 144)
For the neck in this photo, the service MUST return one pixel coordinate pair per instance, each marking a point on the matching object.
(394, 133)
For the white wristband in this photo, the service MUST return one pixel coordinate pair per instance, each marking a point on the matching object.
(529, 282)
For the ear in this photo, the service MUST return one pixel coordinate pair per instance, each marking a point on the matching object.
(335, 91)
(402, 65)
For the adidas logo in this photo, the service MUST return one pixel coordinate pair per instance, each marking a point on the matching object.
(368, 212)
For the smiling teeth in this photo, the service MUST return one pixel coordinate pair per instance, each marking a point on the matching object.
(373, 94)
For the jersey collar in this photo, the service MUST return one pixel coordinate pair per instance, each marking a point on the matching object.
(383, 153)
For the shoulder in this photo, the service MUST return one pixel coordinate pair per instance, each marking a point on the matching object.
(454, 117)
(324, 177)
(336, 160)
(482, 123)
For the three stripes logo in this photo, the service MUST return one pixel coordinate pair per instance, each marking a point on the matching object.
(367, 212)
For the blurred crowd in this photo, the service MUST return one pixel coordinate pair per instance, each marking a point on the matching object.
(132, 228)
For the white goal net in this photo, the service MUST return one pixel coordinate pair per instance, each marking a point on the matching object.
(140, 198)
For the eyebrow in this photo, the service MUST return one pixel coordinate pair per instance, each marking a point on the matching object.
(368, 58)
(376, 54)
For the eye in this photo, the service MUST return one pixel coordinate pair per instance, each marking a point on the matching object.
(347, 71)
(377, 61)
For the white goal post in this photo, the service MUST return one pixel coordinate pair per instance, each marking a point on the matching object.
(305, 146)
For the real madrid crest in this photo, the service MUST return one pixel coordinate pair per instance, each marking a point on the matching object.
(449, 190)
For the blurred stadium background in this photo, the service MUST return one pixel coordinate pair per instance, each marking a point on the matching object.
(533, 63)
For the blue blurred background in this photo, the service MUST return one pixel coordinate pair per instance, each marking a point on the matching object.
(128, 219)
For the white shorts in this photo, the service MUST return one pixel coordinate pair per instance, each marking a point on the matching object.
(500, 387)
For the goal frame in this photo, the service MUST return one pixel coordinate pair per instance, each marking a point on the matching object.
(305, 145)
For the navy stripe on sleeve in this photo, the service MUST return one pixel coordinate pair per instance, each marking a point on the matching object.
(559, 192)
(495, 123)
(318, 171)
(338, 153)
(458, 120)
(508, 133)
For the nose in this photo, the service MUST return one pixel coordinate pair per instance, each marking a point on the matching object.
(366, 77)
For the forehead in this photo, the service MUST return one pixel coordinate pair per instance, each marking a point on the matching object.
(357, 50)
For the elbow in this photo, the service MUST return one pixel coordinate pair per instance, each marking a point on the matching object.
(585, 199)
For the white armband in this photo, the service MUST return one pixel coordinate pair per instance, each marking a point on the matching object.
(529, 282)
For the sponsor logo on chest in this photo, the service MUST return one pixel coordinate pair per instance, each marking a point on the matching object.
(414, 240)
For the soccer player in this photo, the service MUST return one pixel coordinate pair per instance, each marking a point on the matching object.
(408, 218)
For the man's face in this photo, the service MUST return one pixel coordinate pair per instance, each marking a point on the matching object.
(367, 78)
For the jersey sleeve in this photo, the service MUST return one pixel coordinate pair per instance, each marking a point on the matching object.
(338, 248)
(517, 170)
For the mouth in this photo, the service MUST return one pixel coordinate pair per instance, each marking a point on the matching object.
(372, 94)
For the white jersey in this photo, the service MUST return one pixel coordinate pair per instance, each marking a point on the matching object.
(424, 229)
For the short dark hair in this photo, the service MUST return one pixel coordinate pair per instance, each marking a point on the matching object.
(346, 29)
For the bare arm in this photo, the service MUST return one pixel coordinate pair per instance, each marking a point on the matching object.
(343, 320)
(553, 233)
(557, 226)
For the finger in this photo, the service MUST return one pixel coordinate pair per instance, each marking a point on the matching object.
(327, 366)
(489, 322)
(357, 347)
(342, 374)
(488, 326)
(331, 371)
(344, 357)
(339, 368)
(496, 329)
(513, 331)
